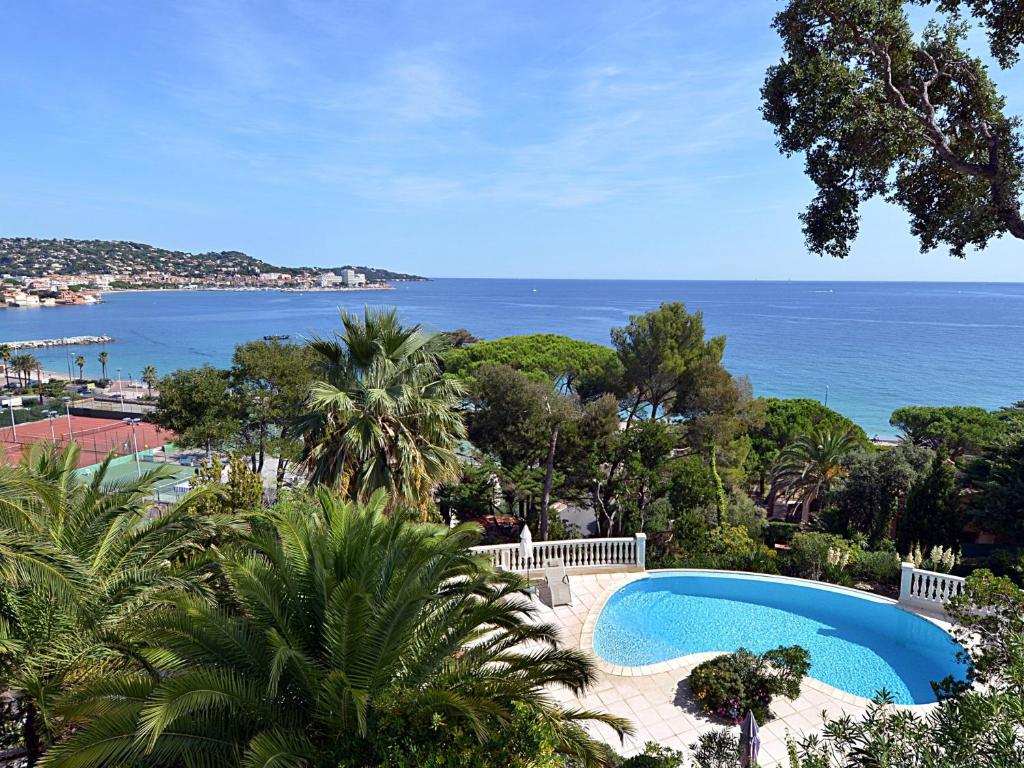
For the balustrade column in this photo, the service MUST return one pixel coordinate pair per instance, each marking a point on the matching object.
(906, 581)
(641, 550)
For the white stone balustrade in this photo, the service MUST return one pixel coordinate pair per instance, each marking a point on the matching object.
(928, 589)
(579, 555)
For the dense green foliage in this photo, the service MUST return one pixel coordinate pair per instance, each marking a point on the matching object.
(934, 511)
(619, 430)
(382, 416)
(234, 488)
(80, 564)
(195, 404)
(353, 632)
(812, 465)
(269, 383)
(783, 421)
(874, 491)
(958, 430)
(998, 476)
(733, 684)
(576, 366)
(519, 421)
(249, 408)
(880, 111)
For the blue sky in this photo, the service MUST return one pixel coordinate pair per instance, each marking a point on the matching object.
(507, 139)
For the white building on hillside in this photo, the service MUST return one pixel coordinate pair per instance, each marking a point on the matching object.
(330, 280)
(352, 279)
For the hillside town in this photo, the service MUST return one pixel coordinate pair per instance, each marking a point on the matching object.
(68, 290)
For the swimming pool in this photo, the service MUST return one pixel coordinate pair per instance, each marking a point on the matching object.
(858, 643)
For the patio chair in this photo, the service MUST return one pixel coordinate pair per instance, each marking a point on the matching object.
(557, 582)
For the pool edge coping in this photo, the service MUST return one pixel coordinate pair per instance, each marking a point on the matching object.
(689, 661)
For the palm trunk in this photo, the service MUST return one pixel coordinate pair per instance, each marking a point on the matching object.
(32, 736)
(282, 463)
(773, 495)
(545, 498)
(805, 510)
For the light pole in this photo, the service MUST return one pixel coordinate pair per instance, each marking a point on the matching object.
(826, 395)
(49, 417)
(67, 408)
(14, 426)
(135, 442)
(120, 387)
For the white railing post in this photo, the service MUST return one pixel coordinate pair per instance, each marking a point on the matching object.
(906, 581)
(641, 551)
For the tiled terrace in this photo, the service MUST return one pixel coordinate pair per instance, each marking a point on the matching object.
(660, 704)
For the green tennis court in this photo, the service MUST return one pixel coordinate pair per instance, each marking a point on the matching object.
(124, 468)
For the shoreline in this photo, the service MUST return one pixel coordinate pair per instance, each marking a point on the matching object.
(250, 289)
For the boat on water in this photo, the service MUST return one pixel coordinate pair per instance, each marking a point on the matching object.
(276, 337)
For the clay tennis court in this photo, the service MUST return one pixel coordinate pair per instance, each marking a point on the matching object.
(96, 437)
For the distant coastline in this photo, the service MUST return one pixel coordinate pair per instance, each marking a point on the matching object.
(254, 289)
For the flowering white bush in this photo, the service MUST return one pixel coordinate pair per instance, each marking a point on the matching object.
(941, 559)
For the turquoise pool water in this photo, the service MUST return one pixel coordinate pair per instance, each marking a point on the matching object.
(857, 644)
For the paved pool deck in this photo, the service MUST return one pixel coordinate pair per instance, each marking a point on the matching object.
(658, 699)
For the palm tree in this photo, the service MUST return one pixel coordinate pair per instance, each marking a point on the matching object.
(349, 624)
(31, 363)
(22, 365)
(80, 362)
(383, 416)
(809, 466)
(5, 357)
(103, 358)
(80, 562)
(150, 378)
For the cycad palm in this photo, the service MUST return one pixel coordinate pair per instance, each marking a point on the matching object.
(79, 562)
(809, 466)
(383, 417)
(348, 620)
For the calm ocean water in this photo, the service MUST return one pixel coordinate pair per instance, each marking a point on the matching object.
(871, 346)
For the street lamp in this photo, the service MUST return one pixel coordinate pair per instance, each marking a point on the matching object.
(14, 426)
(50, 415)
(67, 408)
(135, 442)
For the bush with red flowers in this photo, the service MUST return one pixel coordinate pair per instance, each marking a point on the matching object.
(729, 685)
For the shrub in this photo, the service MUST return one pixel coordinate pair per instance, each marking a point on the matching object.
(877, 565)
(527, 741)
(820, 556)
(743, 510)
(730, 685)
(696, 544)
(779, 532)
(716, 749)
(655, 756)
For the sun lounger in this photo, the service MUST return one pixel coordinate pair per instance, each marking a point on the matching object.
(557, 582)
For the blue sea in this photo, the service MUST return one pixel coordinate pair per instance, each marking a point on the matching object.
(868, 347)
